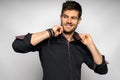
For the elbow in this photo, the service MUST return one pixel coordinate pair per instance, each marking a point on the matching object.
(22, 44)
(14, 47)
(101, 70)
(17, 47)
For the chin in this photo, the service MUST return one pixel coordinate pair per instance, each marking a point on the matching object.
(68, 32)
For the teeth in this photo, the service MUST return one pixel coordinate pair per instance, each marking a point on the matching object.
(68, 25)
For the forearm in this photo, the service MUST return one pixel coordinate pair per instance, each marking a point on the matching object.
(100, 65)
(24, 43)
(39, 37)
(97, 57)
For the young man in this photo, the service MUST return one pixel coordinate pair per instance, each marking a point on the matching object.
(62, 50)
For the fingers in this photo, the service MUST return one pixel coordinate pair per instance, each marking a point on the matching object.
(58, 30)
(84, 36)
(86, 39)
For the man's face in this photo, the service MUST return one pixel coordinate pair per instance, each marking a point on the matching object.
(69, 21)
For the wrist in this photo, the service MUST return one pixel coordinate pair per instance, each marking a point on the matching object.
(51, 32)
(91, 46)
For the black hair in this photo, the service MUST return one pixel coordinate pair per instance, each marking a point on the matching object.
(72, 5)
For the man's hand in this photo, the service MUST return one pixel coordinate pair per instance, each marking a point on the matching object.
(57, 30)
(86, 39)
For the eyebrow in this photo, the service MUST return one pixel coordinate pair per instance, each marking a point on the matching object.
(70, 16)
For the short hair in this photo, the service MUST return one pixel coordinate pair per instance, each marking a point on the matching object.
(72, 5)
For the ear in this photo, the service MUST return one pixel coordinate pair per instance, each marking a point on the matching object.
(60, 16)
(79, 20)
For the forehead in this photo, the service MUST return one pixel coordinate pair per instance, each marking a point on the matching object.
(71, 13)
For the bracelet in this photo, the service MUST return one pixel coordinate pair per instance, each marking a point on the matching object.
(51, 32)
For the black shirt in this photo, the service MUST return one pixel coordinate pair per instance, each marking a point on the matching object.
(60, 59)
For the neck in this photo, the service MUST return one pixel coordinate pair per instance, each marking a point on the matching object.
(69, 37)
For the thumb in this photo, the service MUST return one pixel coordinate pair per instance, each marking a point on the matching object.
(58, 30)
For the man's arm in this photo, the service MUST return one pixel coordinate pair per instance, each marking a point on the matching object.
(38, 37)
(24, 43)
(99, 61)
(87, 40)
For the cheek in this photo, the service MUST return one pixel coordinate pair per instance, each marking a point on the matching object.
(75, 23)
(63, 21)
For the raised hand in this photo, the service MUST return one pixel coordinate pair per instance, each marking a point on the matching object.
(57, 30)
(86, 39)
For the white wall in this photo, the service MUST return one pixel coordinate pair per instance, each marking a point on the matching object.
(100, 19)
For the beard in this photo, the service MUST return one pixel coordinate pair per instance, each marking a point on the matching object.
(70, 31)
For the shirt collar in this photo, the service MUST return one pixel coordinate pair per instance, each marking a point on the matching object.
(75, 36)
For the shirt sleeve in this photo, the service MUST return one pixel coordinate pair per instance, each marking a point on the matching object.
(100, 69)
(22, 44)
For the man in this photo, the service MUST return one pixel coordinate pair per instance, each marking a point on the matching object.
(62, 50)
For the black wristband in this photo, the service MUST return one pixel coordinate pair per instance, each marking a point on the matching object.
(51, 32)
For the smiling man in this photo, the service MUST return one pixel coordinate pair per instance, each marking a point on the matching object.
(69, 21)
(62, 50)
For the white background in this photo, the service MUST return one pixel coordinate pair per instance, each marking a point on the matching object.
(17, 17)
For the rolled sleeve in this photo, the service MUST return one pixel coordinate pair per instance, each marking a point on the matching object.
(102, 68)
(22, 43)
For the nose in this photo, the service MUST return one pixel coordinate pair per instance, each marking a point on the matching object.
(69, 20)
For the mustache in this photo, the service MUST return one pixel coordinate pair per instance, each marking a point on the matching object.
(69, 24)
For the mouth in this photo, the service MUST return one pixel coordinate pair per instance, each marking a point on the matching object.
(68, 25)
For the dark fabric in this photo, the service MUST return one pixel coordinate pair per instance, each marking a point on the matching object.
(60, 59)
(22, 43)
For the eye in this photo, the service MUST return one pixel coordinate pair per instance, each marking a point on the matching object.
(65, 16)
(74, 18)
